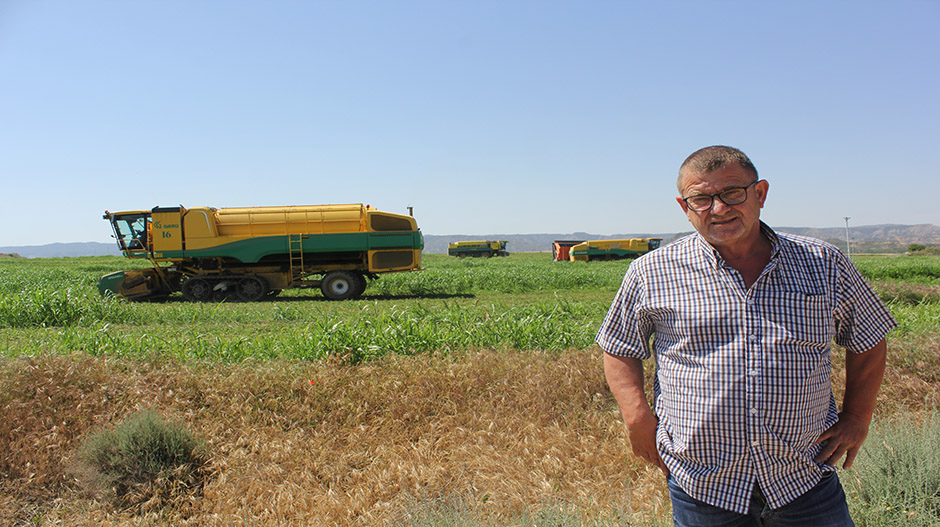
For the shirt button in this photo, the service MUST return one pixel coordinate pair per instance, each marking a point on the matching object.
(752, 373)
(753, 411)
(755, 443)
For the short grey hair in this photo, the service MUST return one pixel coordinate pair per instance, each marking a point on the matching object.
(712, 158)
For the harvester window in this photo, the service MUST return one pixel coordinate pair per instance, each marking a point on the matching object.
(131, 232)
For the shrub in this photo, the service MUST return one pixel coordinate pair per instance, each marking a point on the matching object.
(897, 481)
(144, 459)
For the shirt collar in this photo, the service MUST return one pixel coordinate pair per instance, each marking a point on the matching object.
(711, 254)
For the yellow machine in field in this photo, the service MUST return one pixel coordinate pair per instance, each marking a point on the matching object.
(481, 248)
(612, 249)
(245, 254)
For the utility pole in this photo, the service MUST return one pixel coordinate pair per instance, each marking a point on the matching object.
(848, 246)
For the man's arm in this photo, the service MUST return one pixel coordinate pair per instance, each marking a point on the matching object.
(625, 378)
(863, 375)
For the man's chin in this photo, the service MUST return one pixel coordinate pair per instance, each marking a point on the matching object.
(722, 234)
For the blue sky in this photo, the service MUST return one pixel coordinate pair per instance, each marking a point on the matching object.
(487, 117)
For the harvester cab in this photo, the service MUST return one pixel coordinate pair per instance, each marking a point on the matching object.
(132, 231)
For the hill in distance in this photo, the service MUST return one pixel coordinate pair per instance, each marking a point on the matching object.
(59, 250)
(865, 239)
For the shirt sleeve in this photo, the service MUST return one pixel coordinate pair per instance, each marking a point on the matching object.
(861, 318)
(625, 331)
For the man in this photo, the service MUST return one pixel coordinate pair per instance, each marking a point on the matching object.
(740, 321)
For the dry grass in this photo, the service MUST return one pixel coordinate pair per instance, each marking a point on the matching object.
(330, 444)
(499, 433)
(912, 376)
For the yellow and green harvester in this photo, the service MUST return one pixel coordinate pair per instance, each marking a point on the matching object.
(478, 248)
(612, 249)
(248, 253)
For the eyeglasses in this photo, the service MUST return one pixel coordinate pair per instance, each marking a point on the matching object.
(728, 196)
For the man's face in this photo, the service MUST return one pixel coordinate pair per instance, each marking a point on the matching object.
(725, 226)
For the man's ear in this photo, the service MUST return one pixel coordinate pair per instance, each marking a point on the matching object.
(683, 204)
(762, 187)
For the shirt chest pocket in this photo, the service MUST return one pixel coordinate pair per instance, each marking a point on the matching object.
(797, 318)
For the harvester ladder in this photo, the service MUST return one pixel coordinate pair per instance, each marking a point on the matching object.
(295, 248)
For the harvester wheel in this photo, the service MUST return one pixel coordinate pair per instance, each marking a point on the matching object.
(338, 285)
(251, 289)
(360, 285)
(197, 290)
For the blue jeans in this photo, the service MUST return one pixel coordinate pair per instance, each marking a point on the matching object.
(821, 506)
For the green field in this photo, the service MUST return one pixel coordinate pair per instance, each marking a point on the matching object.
(526, 303)
(469, 393)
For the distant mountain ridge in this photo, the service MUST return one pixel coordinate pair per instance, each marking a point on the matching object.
(871, 238)
(58, 250)
(888, 238)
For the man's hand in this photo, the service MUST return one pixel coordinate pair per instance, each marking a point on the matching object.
(844, 437)
(625, 378)
(863, 375)
(643, 439)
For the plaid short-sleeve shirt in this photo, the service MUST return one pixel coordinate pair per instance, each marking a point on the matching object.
(742, 386)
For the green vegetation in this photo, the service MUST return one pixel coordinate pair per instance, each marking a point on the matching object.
(898, 479)
(466, 394)
(916, 269)
(923, 250)
(144, 458)
(526, 303)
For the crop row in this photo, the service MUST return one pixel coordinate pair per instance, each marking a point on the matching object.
(409, 329)
(521, 302)
(914, 269)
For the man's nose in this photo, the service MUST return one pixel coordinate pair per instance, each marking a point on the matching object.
(719, 206)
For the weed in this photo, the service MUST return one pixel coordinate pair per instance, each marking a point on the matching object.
(897, 480)
(144, 460)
